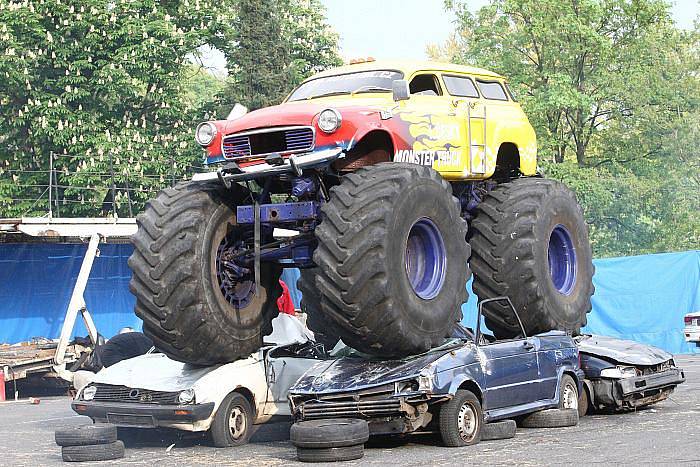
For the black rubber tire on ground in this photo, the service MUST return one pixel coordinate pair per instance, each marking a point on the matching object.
(510, 240)
(361, 255)
(568, 383)
(220, 430)
(551, 418)
(345, 453)
(178, 295)
(322, 328)
(503, 429)
(449, 420)
(330, 433)
(583, 402)
(93, 453)
(98, 433)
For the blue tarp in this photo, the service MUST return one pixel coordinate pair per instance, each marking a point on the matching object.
(642, 298)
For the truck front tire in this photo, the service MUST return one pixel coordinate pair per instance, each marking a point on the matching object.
(392, 259)
(188, 310)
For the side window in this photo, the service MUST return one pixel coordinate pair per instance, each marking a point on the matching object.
(460, 86)
(512, 94)
(507, 317)
(492, 90)
(425, 85)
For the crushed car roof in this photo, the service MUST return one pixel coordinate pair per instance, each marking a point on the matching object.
(621, 350)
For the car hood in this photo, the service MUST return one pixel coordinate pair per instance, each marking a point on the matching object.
(621, 350)
(355, 373)
(157, 372)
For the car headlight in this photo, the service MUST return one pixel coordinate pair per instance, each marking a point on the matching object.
(410, 385)
(89, 393)
(186, 396)
(619, 372)
(205, 133)
(329, 120)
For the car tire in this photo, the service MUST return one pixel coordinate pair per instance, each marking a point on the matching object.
(568, 393)
(331, 433)
(461, 420)
(323, 329)
(551, 418)
(98, 433)
(93, 453)
(504, 429)
(176, 277)
(392, 259)
(583, 402)
(345, 453)
(233, 422)
(530, 242)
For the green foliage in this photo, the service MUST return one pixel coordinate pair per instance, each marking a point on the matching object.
(612, 89)
(276, 44)
(98, 84)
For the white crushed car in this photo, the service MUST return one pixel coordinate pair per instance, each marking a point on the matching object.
(227, 399)
(623, 374)
(692, 327)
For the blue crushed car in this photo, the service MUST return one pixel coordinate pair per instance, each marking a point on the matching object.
(455, 388)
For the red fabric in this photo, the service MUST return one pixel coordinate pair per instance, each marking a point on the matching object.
(284, 303)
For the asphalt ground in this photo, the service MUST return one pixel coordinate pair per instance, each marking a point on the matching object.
(668, 433)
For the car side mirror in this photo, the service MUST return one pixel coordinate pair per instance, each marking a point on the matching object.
(400, 90)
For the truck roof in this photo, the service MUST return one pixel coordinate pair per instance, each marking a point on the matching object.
(408, 67)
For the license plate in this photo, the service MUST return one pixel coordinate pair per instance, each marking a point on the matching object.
(141, 421)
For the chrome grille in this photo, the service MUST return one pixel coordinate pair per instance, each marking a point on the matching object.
(113, 393)
(268, 141)
(374, 402)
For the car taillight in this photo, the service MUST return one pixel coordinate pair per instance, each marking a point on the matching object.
(688, 320)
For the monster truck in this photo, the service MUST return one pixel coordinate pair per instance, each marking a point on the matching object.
(386, 183)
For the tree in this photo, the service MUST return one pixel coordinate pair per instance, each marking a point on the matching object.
(580, 65)
(94, 88)
(276, 44)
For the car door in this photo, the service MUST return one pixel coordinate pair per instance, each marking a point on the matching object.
(283, 368)
(510, 367)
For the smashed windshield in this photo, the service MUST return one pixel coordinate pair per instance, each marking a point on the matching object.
(363, 81)
(342, 350)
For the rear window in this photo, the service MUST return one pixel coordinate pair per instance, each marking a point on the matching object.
(460, 86)
(492, 90)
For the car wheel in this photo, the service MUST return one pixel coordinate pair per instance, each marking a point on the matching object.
(331, 433)
(461, 420)
(583, 403)
(232, 422)
(568, 393)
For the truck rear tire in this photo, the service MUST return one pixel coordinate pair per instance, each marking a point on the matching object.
(392, 259)
(530, 242)
(190, 310)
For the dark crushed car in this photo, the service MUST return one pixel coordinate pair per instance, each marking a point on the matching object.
(623, 374)
(455, 388)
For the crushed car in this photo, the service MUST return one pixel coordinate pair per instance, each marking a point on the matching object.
(469, 380)
(226, 400)
(623, 374)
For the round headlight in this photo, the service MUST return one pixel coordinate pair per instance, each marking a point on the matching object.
(205, 133)
(186, 396)
(329, 120)
(89, 393)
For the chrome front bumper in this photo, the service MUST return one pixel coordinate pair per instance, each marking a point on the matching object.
(293, 164)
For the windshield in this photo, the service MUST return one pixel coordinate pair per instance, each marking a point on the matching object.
(363, 81)
(342, 350)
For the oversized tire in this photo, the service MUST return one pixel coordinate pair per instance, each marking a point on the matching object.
(530, 242)
(233, 422)
(98, 433)
(93, 453)
(331, 433)
(191, 308)
(461, 420)
(392, 259)
(323, 329)
(505, 429)
(551, 418)
(345, 453)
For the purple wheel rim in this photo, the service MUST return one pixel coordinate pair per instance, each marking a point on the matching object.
(237, 290)
(425, 259)
(561, 255)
